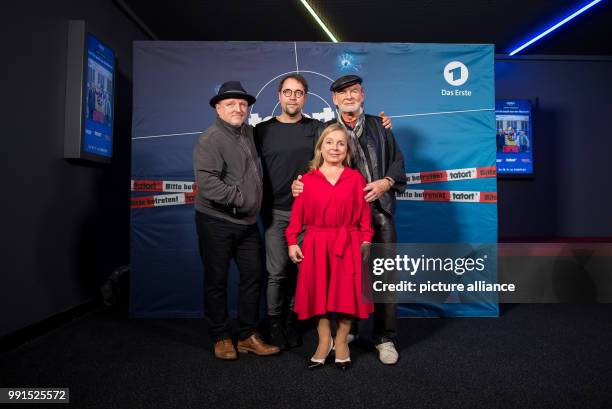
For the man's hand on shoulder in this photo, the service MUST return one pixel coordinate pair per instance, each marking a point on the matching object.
(297, 187)
(386, 121)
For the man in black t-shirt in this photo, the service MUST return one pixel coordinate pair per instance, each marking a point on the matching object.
(285, 144)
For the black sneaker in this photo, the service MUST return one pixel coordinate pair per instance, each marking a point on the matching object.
(293, 338)
(291, 334)
(277, 335)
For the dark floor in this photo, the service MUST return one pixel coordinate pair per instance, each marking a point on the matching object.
(533, 356)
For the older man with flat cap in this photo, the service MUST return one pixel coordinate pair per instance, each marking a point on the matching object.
(376, 154)
(229, 196)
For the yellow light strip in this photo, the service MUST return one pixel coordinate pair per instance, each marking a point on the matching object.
(321, 23)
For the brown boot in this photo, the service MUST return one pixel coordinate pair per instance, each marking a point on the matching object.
(256, 345)
(224, 349)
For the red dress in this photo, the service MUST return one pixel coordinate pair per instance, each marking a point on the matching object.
(337, 221)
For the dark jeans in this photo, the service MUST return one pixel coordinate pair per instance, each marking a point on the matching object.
(219, 241)
(282, 273)
(385, 314)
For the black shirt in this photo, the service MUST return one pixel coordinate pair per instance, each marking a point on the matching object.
(285, 150)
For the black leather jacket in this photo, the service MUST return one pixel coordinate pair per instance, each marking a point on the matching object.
(391, 157)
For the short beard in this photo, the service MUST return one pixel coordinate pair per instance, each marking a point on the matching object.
(293, 115)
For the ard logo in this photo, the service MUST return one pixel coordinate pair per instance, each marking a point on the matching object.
(456, 73)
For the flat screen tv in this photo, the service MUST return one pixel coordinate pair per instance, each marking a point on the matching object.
(90, 96)
(514, 138)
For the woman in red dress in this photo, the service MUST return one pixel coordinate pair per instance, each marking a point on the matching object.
(337, 221)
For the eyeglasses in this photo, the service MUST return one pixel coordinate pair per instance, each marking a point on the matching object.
(288, 92)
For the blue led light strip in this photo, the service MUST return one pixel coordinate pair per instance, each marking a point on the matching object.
(556, 26)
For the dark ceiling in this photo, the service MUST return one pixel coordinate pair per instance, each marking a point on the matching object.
(505, 23)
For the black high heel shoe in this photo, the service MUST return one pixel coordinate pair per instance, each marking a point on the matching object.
(345, 363)
(316, 363)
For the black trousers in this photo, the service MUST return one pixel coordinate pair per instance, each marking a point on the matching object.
(384, 326)
(219, 241)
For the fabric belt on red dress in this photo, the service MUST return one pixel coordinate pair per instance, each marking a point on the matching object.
(341, 239)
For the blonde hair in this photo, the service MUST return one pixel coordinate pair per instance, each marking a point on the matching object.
(317, 160)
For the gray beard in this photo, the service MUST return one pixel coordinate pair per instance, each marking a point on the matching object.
(354, 111)
(350, 111)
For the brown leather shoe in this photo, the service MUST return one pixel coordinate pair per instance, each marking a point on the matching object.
(256, 345)
(224, 349)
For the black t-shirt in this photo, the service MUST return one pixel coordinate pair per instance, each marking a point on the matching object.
(285, 150)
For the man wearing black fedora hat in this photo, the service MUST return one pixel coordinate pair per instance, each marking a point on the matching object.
(378, 157)
(229, 196)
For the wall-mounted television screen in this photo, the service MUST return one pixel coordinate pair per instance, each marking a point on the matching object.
(98, 100)
(514, 138)
(90, 90)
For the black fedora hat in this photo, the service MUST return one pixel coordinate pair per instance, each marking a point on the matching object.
(231, 89)
(345, 81)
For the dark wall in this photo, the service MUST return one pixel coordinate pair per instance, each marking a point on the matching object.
(572, 191)
(64, 227)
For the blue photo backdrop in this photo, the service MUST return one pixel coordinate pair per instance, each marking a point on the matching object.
(440, 98)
